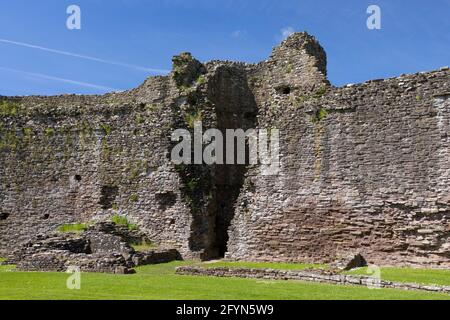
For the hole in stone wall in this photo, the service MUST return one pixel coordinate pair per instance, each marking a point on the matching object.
(46, 216)
(284, 89)
(108, 195)
(166, 200)
(4, 215)
(77, 177)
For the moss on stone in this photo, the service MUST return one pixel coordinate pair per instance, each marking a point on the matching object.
(27, 132)
(106, 128)
(134, 198)
(49, 132)
(9, 139)
(320, 92)
(105, 149)
(319, 115)
(139, 119)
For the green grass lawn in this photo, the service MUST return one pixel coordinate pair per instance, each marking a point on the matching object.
(160, 282)
(421, 276)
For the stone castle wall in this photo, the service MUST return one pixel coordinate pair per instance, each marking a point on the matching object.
(363, 168)
(75, 159)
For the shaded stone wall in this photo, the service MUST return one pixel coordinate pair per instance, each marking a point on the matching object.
(363, 167)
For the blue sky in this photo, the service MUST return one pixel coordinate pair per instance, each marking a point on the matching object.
(415, 36)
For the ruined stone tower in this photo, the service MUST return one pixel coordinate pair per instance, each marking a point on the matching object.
(363, 168)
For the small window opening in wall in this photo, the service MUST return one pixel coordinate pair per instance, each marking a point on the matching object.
(166, 200)
(46, 216)
(108, 195)
(4, 215)
(77, 177)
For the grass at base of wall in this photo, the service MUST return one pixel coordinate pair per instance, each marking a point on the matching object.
(161, 282)
(263, 265)
(412, 275)
(7, 268)
(72, 227)
(144, 246)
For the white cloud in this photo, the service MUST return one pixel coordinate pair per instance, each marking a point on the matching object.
(52, 78)
(286, 32)
(81, 56)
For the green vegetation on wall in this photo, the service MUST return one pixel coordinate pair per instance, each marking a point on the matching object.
(106, 128)
(123, 221)
(72, 227)
(9, 139)
(192, 117)
(134, 198)
(49, 132)
(319, 115)
(8, 108)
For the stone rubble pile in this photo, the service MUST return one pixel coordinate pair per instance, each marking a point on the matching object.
(104, 247)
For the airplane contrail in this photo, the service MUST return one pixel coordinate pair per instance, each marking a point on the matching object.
(44, 76)
(81, 56)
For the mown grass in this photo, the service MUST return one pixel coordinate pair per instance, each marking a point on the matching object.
(420, 276)
(161, 282)
(264, 265)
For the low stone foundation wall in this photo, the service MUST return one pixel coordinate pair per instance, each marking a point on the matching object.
(103, 247)
(155, 257)
(312, 276)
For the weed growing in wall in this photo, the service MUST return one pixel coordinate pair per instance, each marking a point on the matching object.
(319, 115)
(106, 129)
(320, 92)
(8, 108)
(72, 228)
(200, 80)
(49, 132)
(134, 198)
(192, 117)
(123, 221)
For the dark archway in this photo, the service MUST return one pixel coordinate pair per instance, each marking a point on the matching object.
(236, 108)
